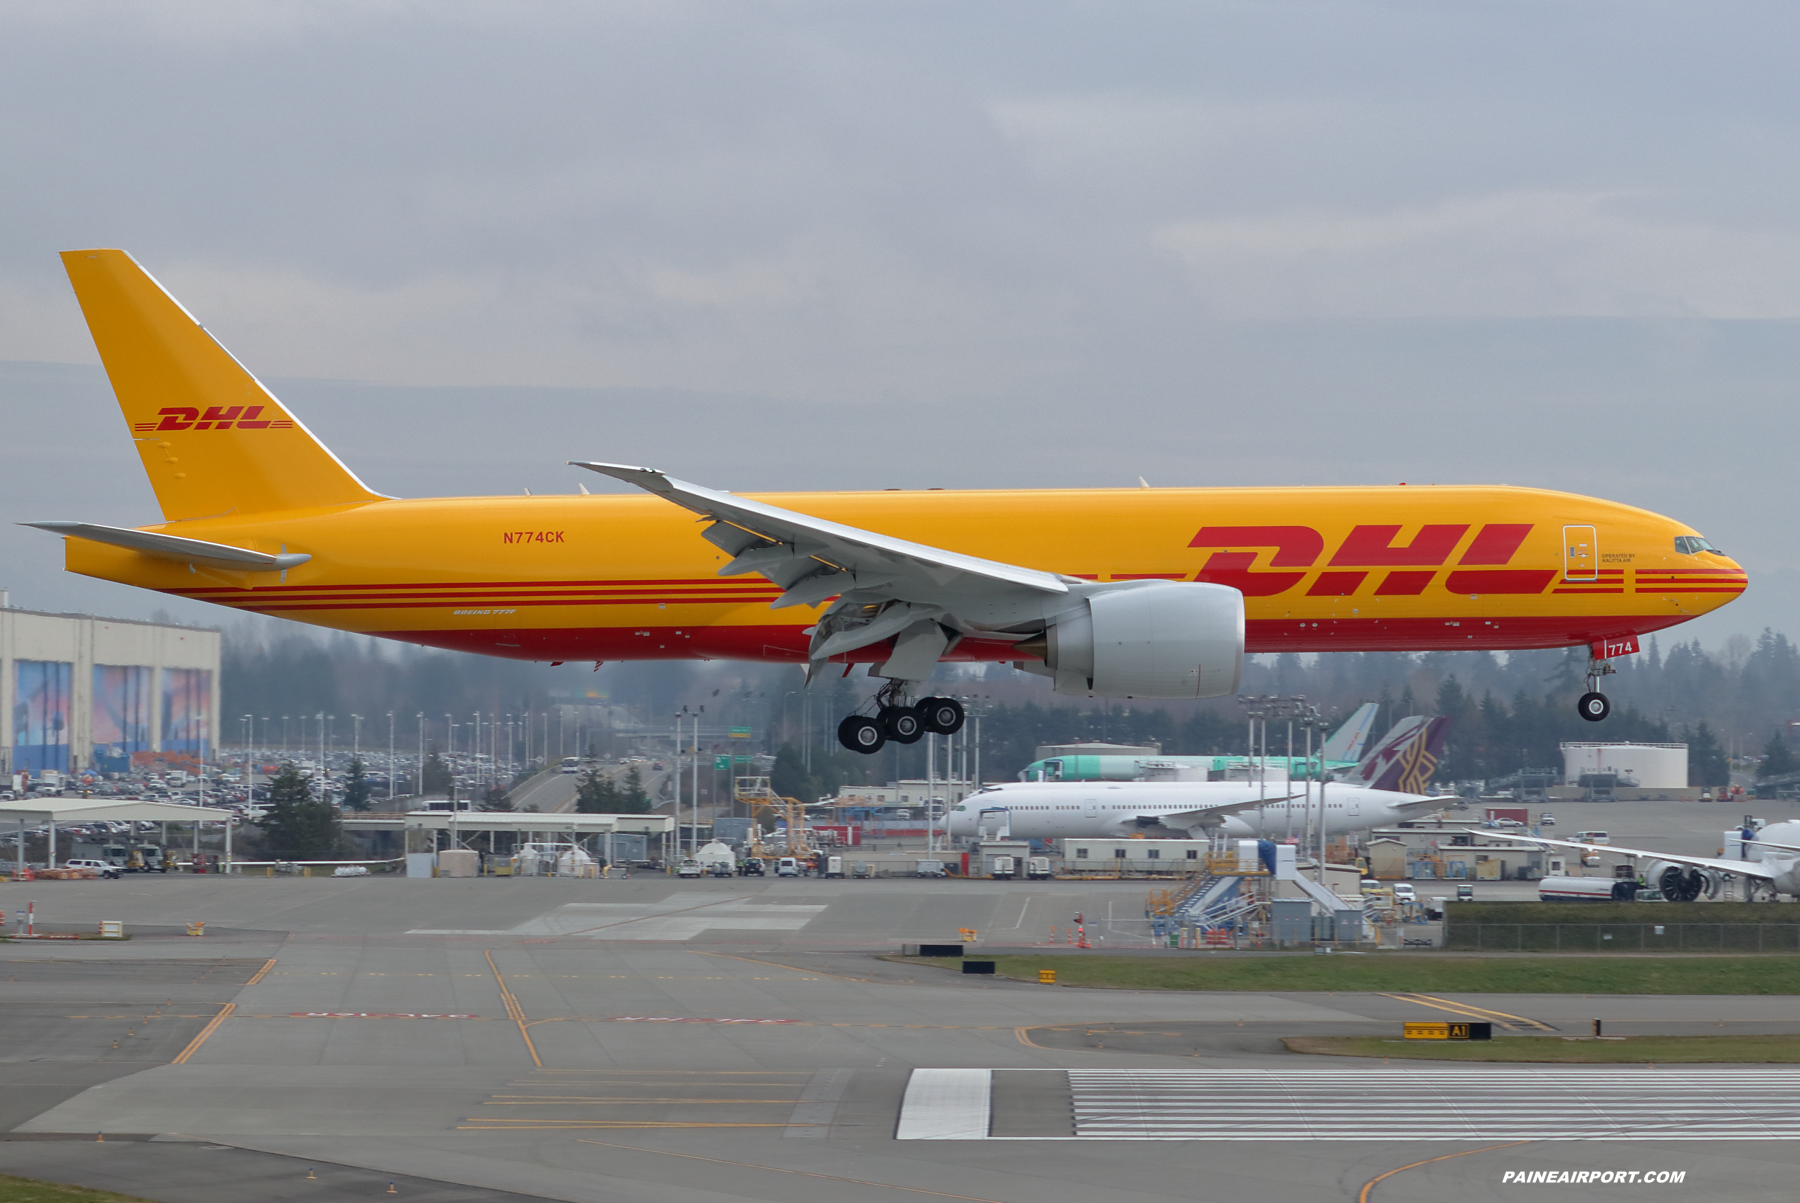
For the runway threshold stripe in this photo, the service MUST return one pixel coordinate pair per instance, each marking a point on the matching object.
(1464, 1104)
(194, 1044)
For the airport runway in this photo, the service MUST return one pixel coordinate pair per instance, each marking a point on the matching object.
(654, 1040)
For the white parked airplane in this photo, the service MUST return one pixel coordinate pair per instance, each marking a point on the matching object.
(1771, 855)
(1387, 785)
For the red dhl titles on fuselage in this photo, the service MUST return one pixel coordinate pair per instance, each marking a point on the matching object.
(629, 577)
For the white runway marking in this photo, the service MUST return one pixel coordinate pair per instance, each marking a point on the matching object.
(1463, 1103)
(1466, 1103)
(672, 919)
(946, 1104)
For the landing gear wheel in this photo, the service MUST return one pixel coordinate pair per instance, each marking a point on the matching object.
(1593, 706)
(861, 734)
(942, 715)
(901, 724)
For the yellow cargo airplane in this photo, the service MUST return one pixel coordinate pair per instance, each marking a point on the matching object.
(1153, 593)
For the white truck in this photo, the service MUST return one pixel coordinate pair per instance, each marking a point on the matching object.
(929, 868)
(1037, 869)
(1005, 868)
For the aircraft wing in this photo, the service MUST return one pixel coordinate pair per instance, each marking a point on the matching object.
(1198, 815)
(1746, 868)
(886, 587)
(175, 547)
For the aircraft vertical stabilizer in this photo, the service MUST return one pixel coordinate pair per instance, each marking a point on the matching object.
(1346, 743)
(1406, 767)
(213, 440)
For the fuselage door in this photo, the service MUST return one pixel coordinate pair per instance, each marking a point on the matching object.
(1581, 553)
(1090, 808)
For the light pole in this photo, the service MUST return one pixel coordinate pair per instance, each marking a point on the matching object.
(419, 784)
(390, 764)
(356, 737)
(696, 781)
(679, 715)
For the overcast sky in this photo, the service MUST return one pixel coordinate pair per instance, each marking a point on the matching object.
(788, 245)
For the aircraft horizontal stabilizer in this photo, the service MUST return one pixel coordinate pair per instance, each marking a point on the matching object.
(174, 547)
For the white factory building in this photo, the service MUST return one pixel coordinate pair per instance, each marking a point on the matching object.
(1652, 766)
(80, 693)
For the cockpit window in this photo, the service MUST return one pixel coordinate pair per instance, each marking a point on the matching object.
(1693, 545)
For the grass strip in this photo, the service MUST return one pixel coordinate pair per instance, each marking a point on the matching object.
(1634, 1050)
(30, 1190)
(1415, 972)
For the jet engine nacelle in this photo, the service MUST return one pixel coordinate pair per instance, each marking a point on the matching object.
(1680, 883)
(1169, 639)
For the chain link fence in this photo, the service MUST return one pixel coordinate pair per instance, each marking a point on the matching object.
(1623, 937)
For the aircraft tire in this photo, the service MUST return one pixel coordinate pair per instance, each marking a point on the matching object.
(942, 715)
(860, 734)
(902, 724)
(1593, 707)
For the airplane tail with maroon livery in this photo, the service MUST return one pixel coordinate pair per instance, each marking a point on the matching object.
(1405, 759)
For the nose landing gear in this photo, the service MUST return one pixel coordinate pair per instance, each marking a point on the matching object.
(1593, 705)
(896, 721)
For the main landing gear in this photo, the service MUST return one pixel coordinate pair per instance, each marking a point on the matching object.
(896, 721)
(1593, 705)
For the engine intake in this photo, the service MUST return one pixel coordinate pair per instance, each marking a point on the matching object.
(1165, 639)
(1680, 883)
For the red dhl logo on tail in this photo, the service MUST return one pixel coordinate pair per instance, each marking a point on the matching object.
(216, 417)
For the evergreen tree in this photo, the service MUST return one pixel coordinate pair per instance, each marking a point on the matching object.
(789, 777)
(356, 786)
(297, 825)
(1778, 759)
(437, 774)
(632, 798)
(496, 799)
(1706, 759)
(595, 794)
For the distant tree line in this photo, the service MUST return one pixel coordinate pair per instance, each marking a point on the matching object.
(1510, 711)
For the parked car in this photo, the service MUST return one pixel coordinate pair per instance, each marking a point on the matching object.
(1546, 820)
(787, 866)
(689, 868)
(98, 867)
(1404, 892)
(752, 866)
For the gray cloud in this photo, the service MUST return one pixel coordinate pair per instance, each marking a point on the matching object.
(912, 244)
